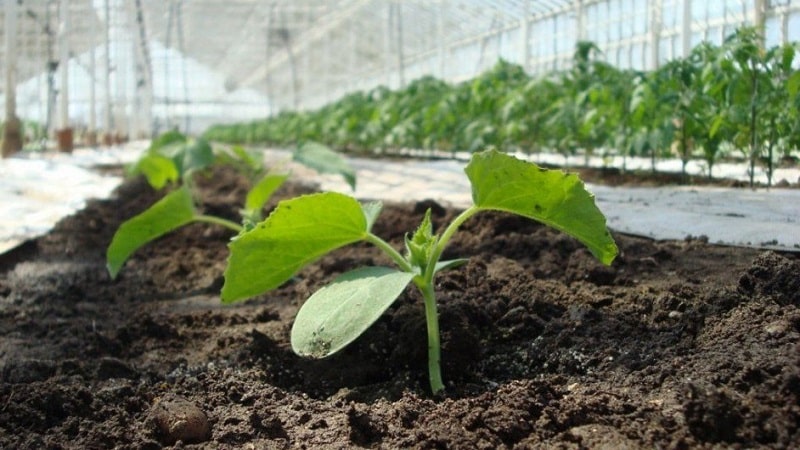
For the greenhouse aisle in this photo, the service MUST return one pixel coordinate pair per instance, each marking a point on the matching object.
(39, 189)
(731, 216)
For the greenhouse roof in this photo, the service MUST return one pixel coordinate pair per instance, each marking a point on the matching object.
(185, 56)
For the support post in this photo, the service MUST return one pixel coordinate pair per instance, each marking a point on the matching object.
(64, 133)
(91, 131)
(525, 35)
(400, 57)
(760, 21)
(686, 29)
(580, 21)
(107, 111)
(655, 33)
(12, 129)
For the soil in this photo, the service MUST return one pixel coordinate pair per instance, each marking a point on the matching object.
(678, 344)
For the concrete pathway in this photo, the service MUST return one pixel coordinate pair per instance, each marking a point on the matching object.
(731, 216)
(39, 189)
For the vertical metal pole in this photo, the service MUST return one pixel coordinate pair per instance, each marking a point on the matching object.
(784, 27)
(655, 33)
(387, 44)
(525, 35)
(91, 132)
(686, 28)
(353, 46)
(440, 31)
(107, 113)
(760, 20)
(12, 131)
(64, 133)
(184, 73)
(580, 21)
(400, 57)
(167, 44)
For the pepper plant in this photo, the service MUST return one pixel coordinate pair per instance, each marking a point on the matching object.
(303, 229)
(174, 159)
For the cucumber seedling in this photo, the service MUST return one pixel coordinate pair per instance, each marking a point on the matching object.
(303, 229)
(174, 159)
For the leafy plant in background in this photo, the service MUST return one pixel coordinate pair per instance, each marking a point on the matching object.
(173, 158)
(698, 105)
(303, 229)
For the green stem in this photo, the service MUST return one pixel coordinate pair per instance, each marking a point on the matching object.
(426, 286)
(219, 221)
(434, 344)
(390, 251)
(445, 239)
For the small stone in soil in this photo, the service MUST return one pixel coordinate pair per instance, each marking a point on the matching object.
(178, 419)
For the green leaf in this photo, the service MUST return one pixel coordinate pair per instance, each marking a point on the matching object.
(793, 84)
(167, 139)
(371, 212)
(297, 232)
(421, 243)
(324, 160)
(159, 170)
(263, 190)
(196, 155)
(170, 213)
(449, 264)
(502, 182)
(337, 314)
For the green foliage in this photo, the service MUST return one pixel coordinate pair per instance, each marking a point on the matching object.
(324, 160)
(168, 214)
(303, 229)
(173, 157)
(297, 232)
(503, 183)
(339, 313)
(694, 106)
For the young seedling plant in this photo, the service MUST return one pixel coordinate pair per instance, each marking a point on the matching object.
(305, 228)
(174, 158)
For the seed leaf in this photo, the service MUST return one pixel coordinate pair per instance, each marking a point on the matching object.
(159, 170)
(170, 213)
(371, 212)
(297, 232)
(449, 264)
(324, 160)
(555, 198)
(338, 313)
(263, 190)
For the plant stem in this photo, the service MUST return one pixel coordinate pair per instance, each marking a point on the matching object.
(434, 344)
(426, 287)
(219, 221)
(445, 239)
(390, 251)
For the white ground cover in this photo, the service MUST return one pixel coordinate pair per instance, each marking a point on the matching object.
(37, 190)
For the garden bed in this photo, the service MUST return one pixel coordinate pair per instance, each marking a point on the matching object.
(678, 344)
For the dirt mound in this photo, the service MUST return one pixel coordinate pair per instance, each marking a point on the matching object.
(678, 344)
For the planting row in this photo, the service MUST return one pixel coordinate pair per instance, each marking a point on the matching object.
(267, 252)
(738, 100)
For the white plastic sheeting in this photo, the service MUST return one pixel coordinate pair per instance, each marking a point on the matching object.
(39, 190)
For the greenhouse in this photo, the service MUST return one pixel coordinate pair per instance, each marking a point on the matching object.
(398, 224)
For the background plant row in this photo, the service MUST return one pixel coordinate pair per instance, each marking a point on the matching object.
(737, 99)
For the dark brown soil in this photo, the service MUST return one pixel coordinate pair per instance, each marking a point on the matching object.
(679, 344)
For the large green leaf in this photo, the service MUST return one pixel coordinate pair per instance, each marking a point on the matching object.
(338, 313)
(297, 232)
(555, 198)
(324, 160)
(171, 212)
